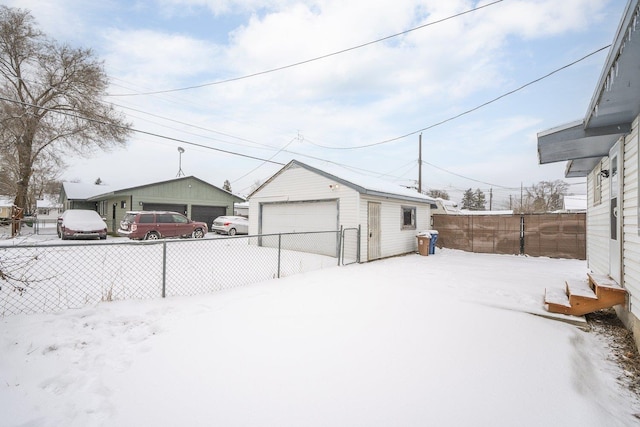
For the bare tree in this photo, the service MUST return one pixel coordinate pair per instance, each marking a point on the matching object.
(50, 100)
(438, 194)
(45, 174)
(545, 196)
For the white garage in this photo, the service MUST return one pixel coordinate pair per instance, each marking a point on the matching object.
(379, 218)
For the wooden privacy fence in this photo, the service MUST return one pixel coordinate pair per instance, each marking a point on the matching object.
(561, 235)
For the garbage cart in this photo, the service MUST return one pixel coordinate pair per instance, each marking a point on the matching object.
(424, 243)
(432, 241)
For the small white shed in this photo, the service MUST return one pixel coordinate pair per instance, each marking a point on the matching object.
(302, 198)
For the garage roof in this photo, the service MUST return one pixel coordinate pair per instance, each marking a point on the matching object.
(613, 107)
(363, 184)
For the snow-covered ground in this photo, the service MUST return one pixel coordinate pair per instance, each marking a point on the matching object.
(445, 340)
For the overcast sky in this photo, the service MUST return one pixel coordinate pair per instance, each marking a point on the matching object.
(342, 107)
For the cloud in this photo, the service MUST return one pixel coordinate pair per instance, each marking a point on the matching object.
(158, 59)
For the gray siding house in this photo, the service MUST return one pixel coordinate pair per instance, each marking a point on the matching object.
(191, 196)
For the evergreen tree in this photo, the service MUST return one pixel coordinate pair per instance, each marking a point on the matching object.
(480, 200)
(468, 200)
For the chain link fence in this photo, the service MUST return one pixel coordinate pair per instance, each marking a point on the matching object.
(28, 226)
(54, 277)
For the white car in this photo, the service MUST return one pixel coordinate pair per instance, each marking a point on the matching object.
(81, 224)
(230, 225)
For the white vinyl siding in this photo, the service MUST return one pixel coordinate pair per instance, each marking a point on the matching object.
(298, 184)
(631, 242)
(395, 241)
(598, 224)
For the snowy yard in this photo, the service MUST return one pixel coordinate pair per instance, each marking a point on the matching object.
(445, 340)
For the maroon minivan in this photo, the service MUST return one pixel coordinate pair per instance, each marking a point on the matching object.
(153, 225)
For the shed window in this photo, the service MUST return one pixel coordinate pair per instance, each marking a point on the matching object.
(408, 218)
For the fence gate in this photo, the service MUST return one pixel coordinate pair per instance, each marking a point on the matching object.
(350, 247)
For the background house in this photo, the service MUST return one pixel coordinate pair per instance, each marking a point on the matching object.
(301, 197)
(5, 208)
(191, 196)
(604, 148)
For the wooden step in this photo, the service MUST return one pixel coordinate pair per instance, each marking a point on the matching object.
(585, 296)
(557, 300)
(607, 289)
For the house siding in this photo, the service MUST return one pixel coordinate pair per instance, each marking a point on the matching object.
(598, 236)
(185, 192)
(631, 240)
(598, 222)
(394, 240)
(298, 184)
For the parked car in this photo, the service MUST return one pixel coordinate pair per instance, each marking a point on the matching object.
(230, 225)
(152, 225)
(81, 224)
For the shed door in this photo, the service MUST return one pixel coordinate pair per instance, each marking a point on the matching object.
(615, 214)
(291, 217)
(373, 242)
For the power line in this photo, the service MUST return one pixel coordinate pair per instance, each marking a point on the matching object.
(143, 132)
(457, 116)
(312, 59)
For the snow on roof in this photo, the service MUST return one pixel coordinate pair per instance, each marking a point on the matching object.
(5, 202)
(80, 191)
(363, 183)
(47, 204)
(575, 203)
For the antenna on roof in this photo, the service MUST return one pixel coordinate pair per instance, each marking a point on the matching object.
(180, 151)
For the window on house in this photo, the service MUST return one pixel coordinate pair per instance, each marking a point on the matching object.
(102, 207)
(408, 218)
(597, 187)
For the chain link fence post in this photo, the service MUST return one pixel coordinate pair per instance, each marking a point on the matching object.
(164, 269)
(279, 252)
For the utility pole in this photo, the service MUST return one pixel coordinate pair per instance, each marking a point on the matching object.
(420, 164)
(521, 197)
(491, 198)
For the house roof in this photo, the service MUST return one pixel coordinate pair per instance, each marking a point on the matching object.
(6, 202)
(575, 202)
(47, 204)
(77, 191)
(613, 107)
(363, 184)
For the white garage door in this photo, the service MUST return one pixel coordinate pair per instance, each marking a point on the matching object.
(295, 217)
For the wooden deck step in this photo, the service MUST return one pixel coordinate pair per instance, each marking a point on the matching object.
(585, 296)
(604, 281)
(580, 289)
(557, 300)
